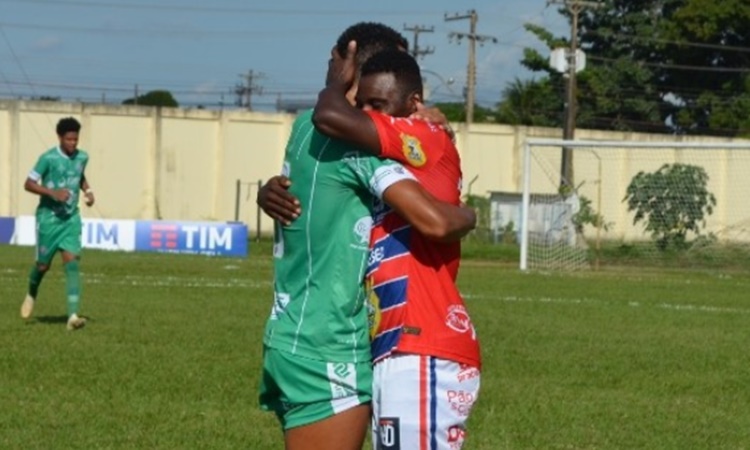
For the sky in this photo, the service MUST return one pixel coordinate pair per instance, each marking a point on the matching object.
(107, 50)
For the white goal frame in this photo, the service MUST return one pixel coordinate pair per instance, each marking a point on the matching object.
(561, 143)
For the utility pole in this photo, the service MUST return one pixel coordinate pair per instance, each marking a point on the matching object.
(245, 91)
(574, 7)
(417, 52)
(473, 37)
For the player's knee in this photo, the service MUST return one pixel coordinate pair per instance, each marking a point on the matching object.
(71, 266)
(42, 268)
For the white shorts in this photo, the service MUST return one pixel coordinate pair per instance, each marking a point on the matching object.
(421, 403)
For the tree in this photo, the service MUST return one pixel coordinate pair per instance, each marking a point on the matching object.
(154, 98)
(673, 201)
(531, 103)
(456, 112)
(673, 66)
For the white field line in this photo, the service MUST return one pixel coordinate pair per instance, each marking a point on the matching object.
(161, 281)
(579, 301)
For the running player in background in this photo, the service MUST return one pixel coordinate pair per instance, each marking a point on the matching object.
(57, 178)
(425, 350)
(317, 374)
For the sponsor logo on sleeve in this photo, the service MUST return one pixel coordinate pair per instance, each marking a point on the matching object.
(412, 149)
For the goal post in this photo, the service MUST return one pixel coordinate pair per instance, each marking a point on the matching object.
(615, 181)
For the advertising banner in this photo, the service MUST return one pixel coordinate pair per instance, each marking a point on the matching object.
(202, 238)
(7, 229)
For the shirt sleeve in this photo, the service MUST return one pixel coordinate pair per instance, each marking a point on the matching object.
(39, 170)
(415, 143)
(374, 174)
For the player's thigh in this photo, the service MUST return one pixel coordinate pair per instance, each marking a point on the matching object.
(70, 240)
(303, 391)
(421, 402)
(342, 431)
(49, 236)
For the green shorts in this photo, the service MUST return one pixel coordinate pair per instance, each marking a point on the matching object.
(302, 391)
(53, 235)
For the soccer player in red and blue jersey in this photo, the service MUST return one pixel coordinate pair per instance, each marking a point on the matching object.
(425, 348)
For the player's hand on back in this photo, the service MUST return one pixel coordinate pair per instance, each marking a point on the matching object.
(471, 215)
(276, 201)
(434, 115)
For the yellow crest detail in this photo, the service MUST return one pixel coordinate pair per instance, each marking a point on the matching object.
(373, 308)
(412, 149)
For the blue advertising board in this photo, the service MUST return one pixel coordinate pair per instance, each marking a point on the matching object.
(200, 238)
(7, 228)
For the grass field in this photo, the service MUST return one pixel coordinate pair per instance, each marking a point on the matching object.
(618, 359)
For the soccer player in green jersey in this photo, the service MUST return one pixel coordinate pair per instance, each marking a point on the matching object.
(58, 177)
(317, 374)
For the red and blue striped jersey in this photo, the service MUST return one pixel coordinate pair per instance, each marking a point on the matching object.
(415, 305)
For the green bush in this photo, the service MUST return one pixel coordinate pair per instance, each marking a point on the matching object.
(672, 201)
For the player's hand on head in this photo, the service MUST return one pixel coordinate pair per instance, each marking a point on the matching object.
(276, 201)
(342, 70)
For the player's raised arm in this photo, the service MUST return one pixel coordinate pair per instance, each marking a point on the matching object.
(335, 115)
(436, 220)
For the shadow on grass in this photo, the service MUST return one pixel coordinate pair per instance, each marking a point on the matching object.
(50, 319)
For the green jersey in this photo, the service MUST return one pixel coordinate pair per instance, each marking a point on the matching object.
(56, 170)
(319, 260)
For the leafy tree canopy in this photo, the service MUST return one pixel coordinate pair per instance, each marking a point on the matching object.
(674, 66)
(154, 98)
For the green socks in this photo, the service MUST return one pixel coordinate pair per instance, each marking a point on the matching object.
(35, 279)
(72, 286)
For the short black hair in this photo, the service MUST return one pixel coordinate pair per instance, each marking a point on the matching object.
(371, 38)
(67, 125)
(402, 65)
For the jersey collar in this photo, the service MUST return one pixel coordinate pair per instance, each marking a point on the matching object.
(65, 155)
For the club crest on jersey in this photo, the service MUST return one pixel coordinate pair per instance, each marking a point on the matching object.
(362, 230)
(412, 149)
(373, 309)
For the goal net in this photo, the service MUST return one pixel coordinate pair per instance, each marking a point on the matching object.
(660, 203)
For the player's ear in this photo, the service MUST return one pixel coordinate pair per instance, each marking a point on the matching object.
(415, 99)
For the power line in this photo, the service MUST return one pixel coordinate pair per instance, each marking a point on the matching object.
(216, 9)
(177, 32)
(678, 66)
(733, 48)
(26, 76)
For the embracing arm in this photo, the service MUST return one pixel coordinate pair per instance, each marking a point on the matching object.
(436, 220)
(276, 201)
